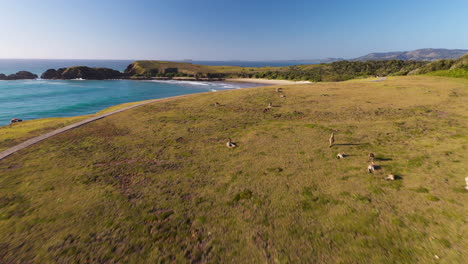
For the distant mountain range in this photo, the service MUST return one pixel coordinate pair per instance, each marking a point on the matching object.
(312, 61)
(418, 55)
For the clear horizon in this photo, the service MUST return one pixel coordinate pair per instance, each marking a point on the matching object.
(227, 30)
(266, 60)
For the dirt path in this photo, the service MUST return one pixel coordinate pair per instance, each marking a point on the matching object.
(42, 137)
(381, 79)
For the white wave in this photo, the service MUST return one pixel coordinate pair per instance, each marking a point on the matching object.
(212, 86)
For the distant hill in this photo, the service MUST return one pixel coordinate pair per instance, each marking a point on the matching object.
(418, 55)
(313, 61)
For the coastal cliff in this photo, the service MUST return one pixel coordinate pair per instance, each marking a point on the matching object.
(82, 72)
(21, 75)
(171, 69)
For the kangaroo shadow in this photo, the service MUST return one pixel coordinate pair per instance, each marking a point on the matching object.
(383, 159)
(350, 144)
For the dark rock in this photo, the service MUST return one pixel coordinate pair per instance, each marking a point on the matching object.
(21, 75)
(82, 72)
(51, 74)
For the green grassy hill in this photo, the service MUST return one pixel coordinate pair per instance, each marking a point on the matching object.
(157, 184)
(455, 73)
(336, 71)
(148, 68)
(447, 68)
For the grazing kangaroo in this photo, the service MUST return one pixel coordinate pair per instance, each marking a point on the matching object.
(332, 139)
(341, 155)
(279, 90)
(371, 168)
(268, 108)
(390, 177)
(217, 104)
(230, 144)
(282, 95)
(371, 157)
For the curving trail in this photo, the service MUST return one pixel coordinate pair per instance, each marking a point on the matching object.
(42, 137)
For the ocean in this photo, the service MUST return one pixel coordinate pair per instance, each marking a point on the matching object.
(32, 99)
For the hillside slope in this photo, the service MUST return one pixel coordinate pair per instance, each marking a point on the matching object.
(336, 71)
(157, 183)
(418, 55)
(448, 68)
(147, 68)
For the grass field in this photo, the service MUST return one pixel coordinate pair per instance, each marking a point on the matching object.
(157, 184)
(455, 73)
(12, 135)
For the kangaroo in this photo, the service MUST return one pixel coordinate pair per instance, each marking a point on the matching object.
(230, 144)
(371, 168)
(279, 90)
(371, 157)
(390, 177)
(341, 155)
(332, 139)
(217, 104)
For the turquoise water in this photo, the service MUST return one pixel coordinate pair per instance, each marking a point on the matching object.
(32, 99)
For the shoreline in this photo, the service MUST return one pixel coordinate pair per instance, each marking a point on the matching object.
(130, 102)
(93, 117)
(136, 102)
(239, 80)
(96, 116)
(265, 81)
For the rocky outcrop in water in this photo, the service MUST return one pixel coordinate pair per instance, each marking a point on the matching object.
(21, 75)
(52, 74)
(82, 72)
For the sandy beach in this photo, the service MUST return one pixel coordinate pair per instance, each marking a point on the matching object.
(265, 81)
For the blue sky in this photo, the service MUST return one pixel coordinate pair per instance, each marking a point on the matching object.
(227, 29)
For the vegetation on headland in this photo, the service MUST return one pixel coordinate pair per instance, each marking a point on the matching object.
(343, 70)
(336, 71)
(157, 183)
(150, 69)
